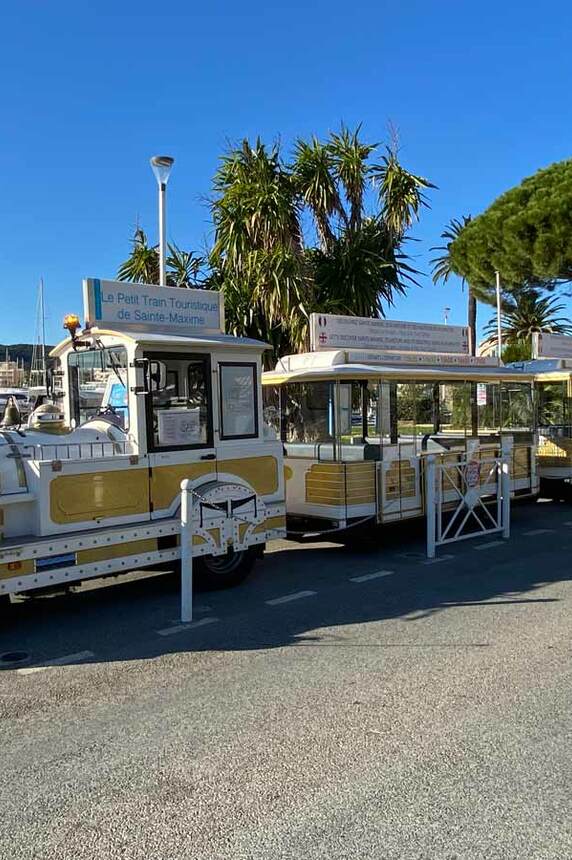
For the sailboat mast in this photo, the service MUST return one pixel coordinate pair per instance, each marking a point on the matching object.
(43, 318)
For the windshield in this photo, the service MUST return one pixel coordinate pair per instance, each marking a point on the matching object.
(98, 384)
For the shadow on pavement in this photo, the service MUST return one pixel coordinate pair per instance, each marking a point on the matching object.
(121, 623)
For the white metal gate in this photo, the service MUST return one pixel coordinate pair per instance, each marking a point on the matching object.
(468, 497)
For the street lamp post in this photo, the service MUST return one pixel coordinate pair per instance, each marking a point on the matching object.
(499, 325)
(161, 165)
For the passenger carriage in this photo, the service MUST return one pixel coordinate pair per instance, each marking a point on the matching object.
(358, 426)
(551, 370)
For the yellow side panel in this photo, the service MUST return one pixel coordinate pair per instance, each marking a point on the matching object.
(16, 568)
(260, 472)
(341, 484)
(360, 483)
(400, 481)
(485, 455)
(555, 452)
(166, 481)
(325, 484)
(521, 457)
(95, 495)
(215, 534)
(278, 522)
(450, 476)
(103, 553)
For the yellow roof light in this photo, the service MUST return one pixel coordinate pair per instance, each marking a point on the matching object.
(72, 323)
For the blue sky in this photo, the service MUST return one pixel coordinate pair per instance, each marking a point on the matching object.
(479, 92)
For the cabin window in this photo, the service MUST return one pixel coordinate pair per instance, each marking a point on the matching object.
(308, 412)
(271, 411)
(488, 405)
(179, 410)
(238, 401)
(352, 409)
(98, 385)
(417, 409)
(455, 416)
(516, 406)
(553, 405)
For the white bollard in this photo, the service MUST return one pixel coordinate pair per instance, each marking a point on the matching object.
(430, 506)
(186, 551)
(506, 450)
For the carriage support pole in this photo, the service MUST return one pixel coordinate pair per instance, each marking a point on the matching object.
(506, 452)
(430, 504)
(186, 551)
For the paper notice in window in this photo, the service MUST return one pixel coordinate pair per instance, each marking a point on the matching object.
(481, 394)
(179, 426)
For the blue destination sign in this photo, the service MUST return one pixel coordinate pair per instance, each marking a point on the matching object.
(143, 307)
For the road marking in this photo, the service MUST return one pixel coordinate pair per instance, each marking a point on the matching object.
(297, 595)
(437, 560)
(367, 576)
(568, 522)
(57, 661)
(490, 544)
(534, 532)
(179, 628)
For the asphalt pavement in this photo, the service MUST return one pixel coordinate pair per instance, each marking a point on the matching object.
(346, 702)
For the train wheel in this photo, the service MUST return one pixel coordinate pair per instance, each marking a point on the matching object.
(225, 571)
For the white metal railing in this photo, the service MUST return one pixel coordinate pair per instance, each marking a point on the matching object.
(77, 450)
(467, 498)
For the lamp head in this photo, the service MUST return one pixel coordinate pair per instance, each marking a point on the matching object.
(161, 166)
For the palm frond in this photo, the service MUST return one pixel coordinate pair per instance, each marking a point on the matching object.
(400, 192)
(350, 157)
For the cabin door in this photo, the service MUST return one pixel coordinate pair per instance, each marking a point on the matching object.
(179, 414)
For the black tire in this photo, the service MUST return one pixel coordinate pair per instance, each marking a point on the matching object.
(224, 571)
(559, 491)
(5, 608)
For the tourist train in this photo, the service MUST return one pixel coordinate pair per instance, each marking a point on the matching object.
(330, 439)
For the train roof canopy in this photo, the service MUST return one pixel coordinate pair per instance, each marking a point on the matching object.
(162, 341)
(332, 365)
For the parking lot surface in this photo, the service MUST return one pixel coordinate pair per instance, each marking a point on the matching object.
(348, 701)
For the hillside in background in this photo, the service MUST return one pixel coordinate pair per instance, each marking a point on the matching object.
(18, 351)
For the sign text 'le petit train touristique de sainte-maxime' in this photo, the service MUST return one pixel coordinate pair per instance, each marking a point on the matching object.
(142, 307)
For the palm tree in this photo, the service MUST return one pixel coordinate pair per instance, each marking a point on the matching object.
(527, 313)
(257, 257)
(443, 268)
(315, 183)
(292, 238)
(142, 265)
(184, 268)
(400, 192)
(360, 266)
